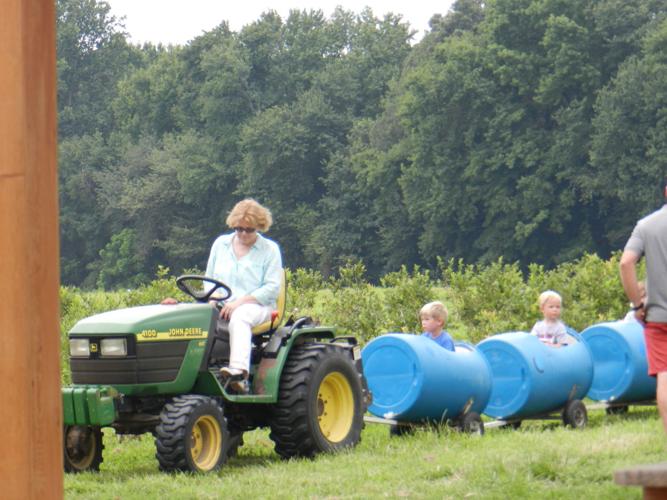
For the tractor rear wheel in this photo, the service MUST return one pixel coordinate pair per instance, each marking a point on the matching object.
(83, 448)
(192, 435)
(320, 404)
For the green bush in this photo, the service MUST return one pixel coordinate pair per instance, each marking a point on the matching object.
(487, 299)
(303, 287)
(482, 299)
(76, 304)
(590, 287)
(498, 297)
(403, 297)
(351, 304)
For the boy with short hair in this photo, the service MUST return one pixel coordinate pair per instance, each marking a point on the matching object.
(433, 318)
(550, 330)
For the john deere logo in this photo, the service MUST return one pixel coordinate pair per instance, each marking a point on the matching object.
(93, 347)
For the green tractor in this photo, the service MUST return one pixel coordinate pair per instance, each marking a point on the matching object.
(156, 369)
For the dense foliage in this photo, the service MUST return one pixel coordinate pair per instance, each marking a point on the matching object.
(482, 299)
(527, 130)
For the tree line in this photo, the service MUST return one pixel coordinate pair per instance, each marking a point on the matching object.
(532, 130)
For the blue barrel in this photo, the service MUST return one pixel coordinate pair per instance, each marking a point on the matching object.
(413, 379)
(530, 378)
(619, 358)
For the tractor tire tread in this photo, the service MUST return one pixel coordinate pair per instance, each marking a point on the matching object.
(291, 425)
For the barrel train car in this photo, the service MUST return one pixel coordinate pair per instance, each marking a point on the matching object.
(509, 377)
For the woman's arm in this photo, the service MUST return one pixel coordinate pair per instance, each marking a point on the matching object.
(267, 293)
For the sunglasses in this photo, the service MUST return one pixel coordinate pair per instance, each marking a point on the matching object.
(248, 230)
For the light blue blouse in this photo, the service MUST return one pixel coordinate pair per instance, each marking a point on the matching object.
(258, 273)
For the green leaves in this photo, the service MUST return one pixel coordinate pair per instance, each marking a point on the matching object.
(531, 130)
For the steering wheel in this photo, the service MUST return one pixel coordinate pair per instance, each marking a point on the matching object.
(193, 285)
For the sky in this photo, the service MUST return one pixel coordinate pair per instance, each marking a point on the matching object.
(177, 22)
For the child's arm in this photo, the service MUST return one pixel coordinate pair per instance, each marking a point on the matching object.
(536, 329)
(560, 336)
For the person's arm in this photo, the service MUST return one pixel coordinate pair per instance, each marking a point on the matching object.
(628, 271)
(449, 341)
(560, 336)
(268, 293)
(535, 329)
(210, 266)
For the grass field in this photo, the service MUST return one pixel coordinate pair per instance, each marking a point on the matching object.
(540, 460)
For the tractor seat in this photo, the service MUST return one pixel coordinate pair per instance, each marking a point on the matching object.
(278, 313)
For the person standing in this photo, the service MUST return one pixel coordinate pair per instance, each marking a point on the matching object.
(649, 239)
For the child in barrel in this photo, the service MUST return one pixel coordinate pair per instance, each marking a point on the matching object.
(433, 318)
(550, 329)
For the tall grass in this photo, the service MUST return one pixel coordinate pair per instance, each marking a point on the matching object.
(541, 460)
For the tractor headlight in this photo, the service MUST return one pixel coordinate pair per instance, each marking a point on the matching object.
(114, 347)
(79, 348)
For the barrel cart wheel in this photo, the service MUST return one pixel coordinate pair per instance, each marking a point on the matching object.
(575, 414)
(616, 410)
(507, 424)
(471, 423)
(398, 430)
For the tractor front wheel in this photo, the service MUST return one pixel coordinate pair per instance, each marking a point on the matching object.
(83, 448)
(192, 435)
(320, 405)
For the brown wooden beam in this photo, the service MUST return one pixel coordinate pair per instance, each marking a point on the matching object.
(651, 477)
(30, 412)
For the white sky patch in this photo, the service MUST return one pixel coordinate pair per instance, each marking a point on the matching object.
(178, 22)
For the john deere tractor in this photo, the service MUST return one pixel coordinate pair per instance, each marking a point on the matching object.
(156, 369)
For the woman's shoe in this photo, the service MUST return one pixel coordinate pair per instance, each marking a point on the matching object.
(240, 386)
(236, 379)
(229, 373)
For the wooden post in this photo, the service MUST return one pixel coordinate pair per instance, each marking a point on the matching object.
(31, 460)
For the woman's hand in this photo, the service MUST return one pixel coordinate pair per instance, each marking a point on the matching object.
(228, 308)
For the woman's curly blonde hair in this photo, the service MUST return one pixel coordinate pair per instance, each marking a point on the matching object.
(249, 213)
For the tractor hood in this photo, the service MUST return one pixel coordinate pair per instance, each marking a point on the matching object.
(154, 322)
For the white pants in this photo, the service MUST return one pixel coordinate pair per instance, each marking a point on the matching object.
(243, 319)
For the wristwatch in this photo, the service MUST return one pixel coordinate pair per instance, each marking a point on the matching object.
(637, 308)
